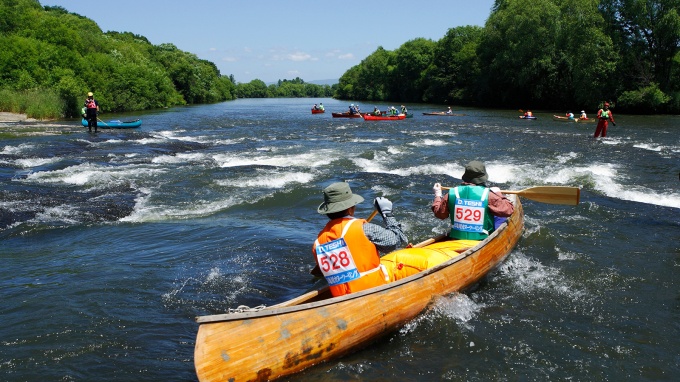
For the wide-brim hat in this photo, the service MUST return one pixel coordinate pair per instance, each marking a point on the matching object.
(475, 173)
(338, 197)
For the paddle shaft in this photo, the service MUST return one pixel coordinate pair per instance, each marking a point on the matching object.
(548, 194)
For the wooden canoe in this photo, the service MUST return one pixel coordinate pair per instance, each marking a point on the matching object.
(369, 117)
(566, 119)
(346, 115)
(445, 114)
(286, 338)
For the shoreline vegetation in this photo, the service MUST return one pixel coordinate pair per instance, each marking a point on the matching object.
(50, 58)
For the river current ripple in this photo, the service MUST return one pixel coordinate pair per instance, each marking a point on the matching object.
(113, 242)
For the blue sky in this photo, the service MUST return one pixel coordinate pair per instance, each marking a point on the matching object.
(271, 40)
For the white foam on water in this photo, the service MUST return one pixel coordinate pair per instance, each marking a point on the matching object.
(365, 140)
(308, 159)
(268, 180)
(14, 150)
(650, 147)
(457, 306)
(430, 142)
(144, 211)
(63, 213)
(35, 162)
(181, 158)
(530, 276)
(92, 175)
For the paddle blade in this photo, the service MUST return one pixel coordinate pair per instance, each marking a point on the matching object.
(569, 196)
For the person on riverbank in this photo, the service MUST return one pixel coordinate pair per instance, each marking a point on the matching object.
(474, 204)
(604, 115)
(347, 250)
(91, 110)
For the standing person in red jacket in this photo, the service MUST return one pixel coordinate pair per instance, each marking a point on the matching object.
(91, 110)
(604, 115)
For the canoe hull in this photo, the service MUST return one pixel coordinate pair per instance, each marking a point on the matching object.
(289, 337)
(444, 114)
(345, 115)
(368, 117)
(315, 111)
(578, 120)
(115, 124)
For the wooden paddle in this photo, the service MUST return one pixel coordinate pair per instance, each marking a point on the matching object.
(548, 194)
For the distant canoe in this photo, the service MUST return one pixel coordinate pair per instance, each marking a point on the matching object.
(115, 124)
(346, 115)
(318, 111)
(581, 120)
(445, 114)
(369, 117)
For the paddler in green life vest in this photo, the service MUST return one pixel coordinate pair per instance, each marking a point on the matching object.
(476, 206)
(604, 115)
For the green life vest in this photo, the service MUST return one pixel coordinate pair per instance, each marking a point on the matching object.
(469, 211)
(604, 114)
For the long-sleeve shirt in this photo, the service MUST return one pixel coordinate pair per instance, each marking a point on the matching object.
(498, 204)
(387, 238)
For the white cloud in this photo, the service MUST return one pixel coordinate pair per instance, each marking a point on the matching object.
(299, 56)
(346, 56)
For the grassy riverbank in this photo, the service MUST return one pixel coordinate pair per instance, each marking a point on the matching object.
(37, 104)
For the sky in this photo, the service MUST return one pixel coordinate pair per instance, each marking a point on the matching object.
(273, 40)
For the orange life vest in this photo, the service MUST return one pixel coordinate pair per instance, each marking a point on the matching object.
(363, 253)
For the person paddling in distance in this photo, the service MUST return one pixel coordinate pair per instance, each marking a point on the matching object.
(347, 250)
(471, 206)
(604, 115)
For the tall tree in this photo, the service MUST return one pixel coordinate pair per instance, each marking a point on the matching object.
(410, 61)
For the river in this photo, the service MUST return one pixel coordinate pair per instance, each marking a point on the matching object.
(112, 243)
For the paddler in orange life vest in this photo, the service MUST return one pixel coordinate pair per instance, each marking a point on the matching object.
(91, 109)
(347, 250)
(475, 206)
(604, 115)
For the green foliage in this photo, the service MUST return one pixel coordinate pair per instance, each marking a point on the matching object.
(67, 55)
(649, 98)
(537, 54)
(36, 103)
(296, 88)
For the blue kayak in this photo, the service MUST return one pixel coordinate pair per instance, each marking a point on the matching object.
(116, 124)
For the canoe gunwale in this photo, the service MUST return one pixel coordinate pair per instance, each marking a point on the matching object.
(281, 308)
(285, 339)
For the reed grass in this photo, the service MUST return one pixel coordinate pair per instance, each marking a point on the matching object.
(35, 103)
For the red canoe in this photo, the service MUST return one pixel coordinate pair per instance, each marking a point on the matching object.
(318, 111)
(368, 117)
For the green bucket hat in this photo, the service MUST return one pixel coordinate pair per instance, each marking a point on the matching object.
(338, 197)
(475, 173)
